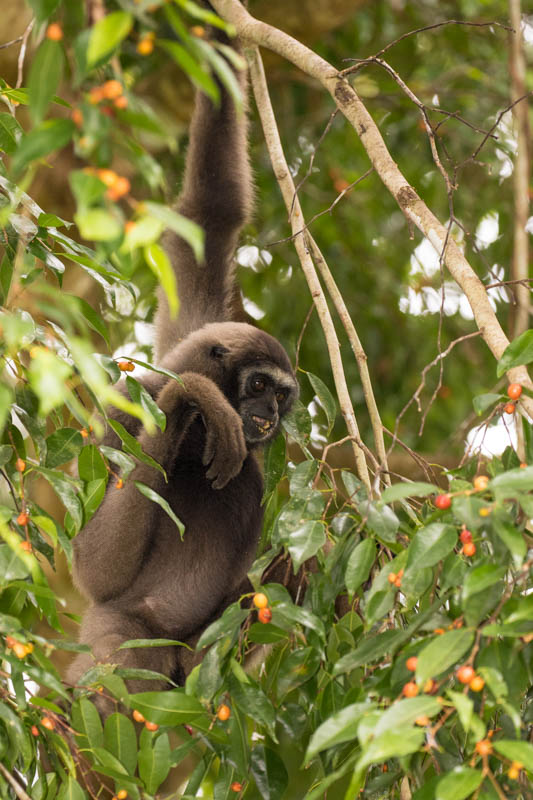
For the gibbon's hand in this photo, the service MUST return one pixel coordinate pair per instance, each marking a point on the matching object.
(225, 446)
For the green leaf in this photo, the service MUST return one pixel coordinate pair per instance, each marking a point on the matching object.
(406, 712)
(228, 624)
(11, 566)
(391, 744)
(43, 9)
(480, 578)
(131, 445)
(274, 464)
(520, 351)
(458, 784)
(430, 545)
(305, 541)
(86, 721)
(91, 465)
(327, 401)
(10, 133)
(516, 751)
(53, 134)
(400, 490)
(511, 536)
(66, 493)
(514, 480)
(6, 453)
(92, 496)
(359, 565)
(154, 762)
(125, 462)
(370, 649)
(340, 727)
(45, 74)
(255, 704)
(266, 634)
(194, 70)
(464, 706)
(297, 668)
(269, 772)
(71, 790)
(482, 402)
(159, 263)
(440, 654)
(139, 395)
(156, 498)
(173, 707)
(121, 740)
(107, 34)
(48, 375)
(61, 446)
(98, 225)
(93, 319)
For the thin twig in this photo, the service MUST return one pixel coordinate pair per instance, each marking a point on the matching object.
(13, 41)
(429, 28)
(313, 154)
(17, 788)
(22, 54)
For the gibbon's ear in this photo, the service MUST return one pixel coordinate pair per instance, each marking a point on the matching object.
(218, 351)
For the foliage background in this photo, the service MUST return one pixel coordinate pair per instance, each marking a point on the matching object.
(330, 680)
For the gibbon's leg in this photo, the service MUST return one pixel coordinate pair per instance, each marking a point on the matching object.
(105, 628)
(217, 194)
(121, 530)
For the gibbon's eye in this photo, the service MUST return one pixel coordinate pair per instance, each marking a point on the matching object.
(281, 397)
(258, 385)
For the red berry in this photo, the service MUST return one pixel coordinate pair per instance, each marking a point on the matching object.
(469, 549)
(264, 615)
(236, 786)
(443, 501)
(34, 730)
(509, 408)
(465, 535)
(465, 674)
(514, 390)
(22, 518)
(411, 663)
(151, 726)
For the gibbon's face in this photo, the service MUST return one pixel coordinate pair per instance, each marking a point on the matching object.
(266, 394)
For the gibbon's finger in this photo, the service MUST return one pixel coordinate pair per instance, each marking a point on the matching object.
(211, 436)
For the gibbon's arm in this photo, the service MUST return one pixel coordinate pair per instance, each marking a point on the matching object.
(217, 194)
(121, 531)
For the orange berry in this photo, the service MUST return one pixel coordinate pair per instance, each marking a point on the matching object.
(429, 685)
(84, 433)
(513, 773)
(465, 535)
(443, 501)
(509, 408)
(48, 723)
(514, 390)
(112, 89)
(424, 720)
(485, 512)
(410, 689)
(121, 102)
(125, 366)
(22, 518)
(465, 674)
(122, 794)
(260, 600)
(20, 465)
(400, 573)
(151, 726)
(523, 465)
(137, 716)
(481, 482)
(10, 641)
(119, 484)
(264, 615)
(477, 683)
(411, 663)
(517, 764)
(96, 95)
(392, 577)
(236, 786)
(34, 730)
(198, 30)
(77, 117)
(26, 546)
(439, 631)
(20, 650)
(145, 46)
(129, 226)
(398, 582)
(484, 747)
(54, 32)
(120, 187)
(224, 712)
(107, 176)
(469, 549)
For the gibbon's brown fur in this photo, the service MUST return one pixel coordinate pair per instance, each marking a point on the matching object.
(144, 581)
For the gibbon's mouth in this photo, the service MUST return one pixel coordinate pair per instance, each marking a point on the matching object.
(263, 425)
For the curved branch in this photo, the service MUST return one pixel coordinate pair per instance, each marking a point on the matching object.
(416, 211)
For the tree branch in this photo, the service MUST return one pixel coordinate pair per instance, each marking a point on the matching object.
(416, 211)
(292, 203)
